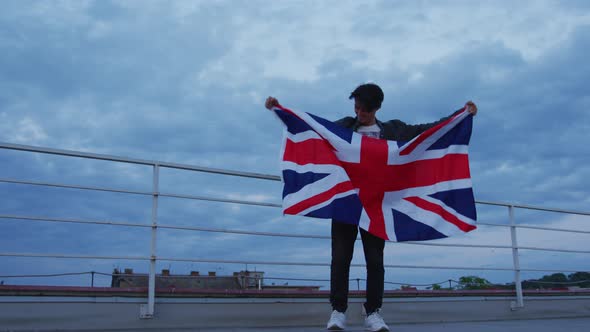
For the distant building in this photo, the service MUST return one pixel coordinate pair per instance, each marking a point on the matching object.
(239, 280)
(291, 288)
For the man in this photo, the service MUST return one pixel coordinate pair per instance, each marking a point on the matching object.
(367, 101)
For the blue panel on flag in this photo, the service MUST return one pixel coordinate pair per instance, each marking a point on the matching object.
(345, 209)
(460, 200)
(457, 136)
(408, 229)
(294, 124)
(295, 181)
(344, 133)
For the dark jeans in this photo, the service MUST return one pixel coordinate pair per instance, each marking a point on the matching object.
(343, 238)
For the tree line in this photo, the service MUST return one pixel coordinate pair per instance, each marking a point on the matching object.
(555, 280)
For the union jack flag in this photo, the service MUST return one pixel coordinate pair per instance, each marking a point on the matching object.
(399, 191)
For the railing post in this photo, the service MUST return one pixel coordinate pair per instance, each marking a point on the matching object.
(147, 311)
(517, 283)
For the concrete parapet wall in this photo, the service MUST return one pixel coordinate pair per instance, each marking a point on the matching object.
(92, 313)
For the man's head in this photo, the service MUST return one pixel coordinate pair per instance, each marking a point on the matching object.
(367, 100)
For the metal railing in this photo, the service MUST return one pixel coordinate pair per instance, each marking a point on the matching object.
(147, 310)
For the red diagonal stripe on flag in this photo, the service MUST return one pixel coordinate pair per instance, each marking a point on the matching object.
(407, 150)
(318, 199)
(435, 208)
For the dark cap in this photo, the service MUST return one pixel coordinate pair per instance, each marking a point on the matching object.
(370, 95)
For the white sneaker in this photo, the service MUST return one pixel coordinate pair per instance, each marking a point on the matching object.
(337, 321)
(374, 322)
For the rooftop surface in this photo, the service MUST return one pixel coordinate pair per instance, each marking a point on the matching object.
(537, 325)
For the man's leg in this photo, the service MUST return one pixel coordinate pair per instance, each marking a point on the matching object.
(343, 237)
(373, 247)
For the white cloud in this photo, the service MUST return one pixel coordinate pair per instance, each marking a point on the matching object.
(504, 168)
(99, 29)
(27, 131)
(270, 45)
(258, 198)
(59, 13)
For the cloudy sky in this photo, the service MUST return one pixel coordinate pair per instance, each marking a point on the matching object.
(185, 82)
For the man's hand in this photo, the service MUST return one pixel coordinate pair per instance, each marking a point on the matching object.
(471, 107)
(271, 102)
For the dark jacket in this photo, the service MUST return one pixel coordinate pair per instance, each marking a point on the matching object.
(395, 130)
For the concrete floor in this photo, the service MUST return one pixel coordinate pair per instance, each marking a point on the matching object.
(581, 324)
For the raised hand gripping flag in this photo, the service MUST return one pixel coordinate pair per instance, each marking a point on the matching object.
(399, 191)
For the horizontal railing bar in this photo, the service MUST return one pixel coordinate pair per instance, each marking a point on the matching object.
(536, 227)
(49, 184)
(555, 250)
(145, 193)
(547, 270)
(69, 153)
(553, 229)
(324, 264)
(456, 245)
(201, 229)
(530, 207)
(30, 255)
(494, 203)
(95, 156)
(358, 265)
(492, 224)
(326, 237)
(49, 275)
(220, 171)
(232, 231)
(222, 200)
(73, 221)
(195, 260)
(271, 234)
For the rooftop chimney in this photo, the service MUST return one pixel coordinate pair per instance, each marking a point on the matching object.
(194, 273)
(166, 272)
(128, 271)
(212, 274)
